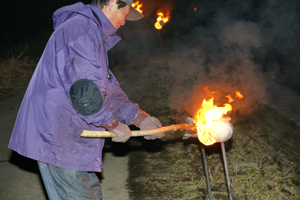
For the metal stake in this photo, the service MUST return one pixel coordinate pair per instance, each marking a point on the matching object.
(206, 171)
(161, 47)
(226, 171)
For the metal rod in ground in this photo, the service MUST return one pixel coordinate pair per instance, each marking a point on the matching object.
(159, 37)
(206, 172)
(165, 57)
(226, 171)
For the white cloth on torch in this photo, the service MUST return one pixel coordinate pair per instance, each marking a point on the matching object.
(221, 130)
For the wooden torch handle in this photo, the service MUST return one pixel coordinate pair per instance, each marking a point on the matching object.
(107, 134)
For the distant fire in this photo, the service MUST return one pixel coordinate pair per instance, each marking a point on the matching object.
(161, 19)
(137, 5)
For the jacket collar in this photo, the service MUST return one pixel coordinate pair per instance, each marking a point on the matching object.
(107, 27)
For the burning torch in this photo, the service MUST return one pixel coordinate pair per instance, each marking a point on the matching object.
(138, 6)
(161, 20)
(210, 124)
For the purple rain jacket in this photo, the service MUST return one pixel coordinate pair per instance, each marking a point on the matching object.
(48, 127)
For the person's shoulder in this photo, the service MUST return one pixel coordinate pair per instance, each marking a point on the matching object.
(76, 27)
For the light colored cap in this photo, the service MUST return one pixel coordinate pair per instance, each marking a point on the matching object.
(134, 13)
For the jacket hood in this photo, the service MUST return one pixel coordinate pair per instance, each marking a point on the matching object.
(67, 12)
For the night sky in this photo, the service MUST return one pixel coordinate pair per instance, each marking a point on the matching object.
(21, 19)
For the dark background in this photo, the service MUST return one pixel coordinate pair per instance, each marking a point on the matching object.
(21, 19)
(274, 48)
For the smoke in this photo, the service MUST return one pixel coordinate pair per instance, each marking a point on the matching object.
(222, 61)
(225, 45)
(239, 45)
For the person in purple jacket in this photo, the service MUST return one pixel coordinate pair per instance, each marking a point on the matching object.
(71, 90)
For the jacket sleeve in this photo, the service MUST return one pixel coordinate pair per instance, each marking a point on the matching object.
(125, 109)
(83, 71)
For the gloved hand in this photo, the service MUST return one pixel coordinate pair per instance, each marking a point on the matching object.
(121, 130)
(145, 122)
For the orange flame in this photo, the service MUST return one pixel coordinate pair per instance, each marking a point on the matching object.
(238, 95)
(137, 5)
(161, 19)
(208, 114)
(230, 99)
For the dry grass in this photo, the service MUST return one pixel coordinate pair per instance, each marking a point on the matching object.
(257, 171)
(15, 72)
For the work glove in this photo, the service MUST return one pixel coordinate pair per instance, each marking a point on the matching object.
(145, 122)
(121, 130)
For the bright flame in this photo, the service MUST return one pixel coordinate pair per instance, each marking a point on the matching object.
(137, 5)
(206, 116)
(210, 121)
(161, 19)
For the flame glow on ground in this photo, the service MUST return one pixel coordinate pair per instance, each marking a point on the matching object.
(137, 5)
(210, 121)
(161, 19)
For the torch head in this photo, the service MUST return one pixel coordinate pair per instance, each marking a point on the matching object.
(221, 130)
(161, 22)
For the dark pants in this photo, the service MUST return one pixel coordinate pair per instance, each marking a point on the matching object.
(62, 184)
